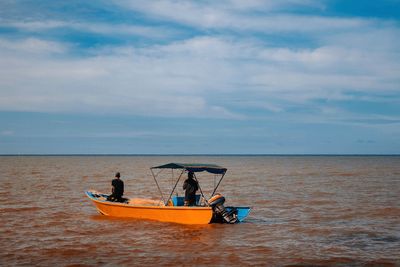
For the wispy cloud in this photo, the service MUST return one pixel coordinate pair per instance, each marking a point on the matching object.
(160, 80)
(206, 59)
(36, 26)
(31, 46)
(255, 16)
(7, 133)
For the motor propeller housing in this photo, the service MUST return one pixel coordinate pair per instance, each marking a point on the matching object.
(217, 204)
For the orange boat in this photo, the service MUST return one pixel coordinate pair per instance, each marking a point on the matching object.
(172, 208)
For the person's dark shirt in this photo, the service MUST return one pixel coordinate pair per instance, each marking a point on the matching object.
(190, 186)
(118, 186)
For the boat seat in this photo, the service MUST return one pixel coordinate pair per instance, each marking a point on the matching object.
(179, 201)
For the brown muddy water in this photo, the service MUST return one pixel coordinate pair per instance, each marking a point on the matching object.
(311, 210)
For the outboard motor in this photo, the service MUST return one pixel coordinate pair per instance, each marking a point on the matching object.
(217, 204)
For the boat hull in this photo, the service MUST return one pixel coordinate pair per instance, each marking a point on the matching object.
(182, 215)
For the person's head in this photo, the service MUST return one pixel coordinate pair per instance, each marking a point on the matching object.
(117, 175)
(190, 175)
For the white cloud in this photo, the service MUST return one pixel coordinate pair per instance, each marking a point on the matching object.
(32, 46)
(139, 83)
(253, 16)
(199, 75)
(189, 78)
(157, 32)
(7, 133)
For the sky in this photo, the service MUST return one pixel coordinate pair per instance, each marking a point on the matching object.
(200, 77)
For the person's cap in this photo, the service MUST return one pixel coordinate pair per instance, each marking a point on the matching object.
(118, 175)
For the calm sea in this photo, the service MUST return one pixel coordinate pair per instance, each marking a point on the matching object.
(306, 210)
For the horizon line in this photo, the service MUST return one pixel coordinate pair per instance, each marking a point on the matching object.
(195, 154)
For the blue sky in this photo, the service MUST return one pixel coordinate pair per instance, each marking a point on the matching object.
(206, 77)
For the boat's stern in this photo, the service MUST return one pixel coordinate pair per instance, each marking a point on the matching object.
(224, 214)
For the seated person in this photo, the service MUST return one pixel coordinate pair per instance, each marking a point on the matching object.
(117, 189)
(190, 186)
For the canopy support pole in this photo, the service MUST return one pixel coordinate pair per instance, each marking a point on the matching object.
(215, 189)
(173, 189)
(201, 191)
(159, 189)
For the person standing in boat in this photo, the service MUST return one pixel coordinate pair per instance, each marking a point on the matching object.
(117, 189)
(190, 186)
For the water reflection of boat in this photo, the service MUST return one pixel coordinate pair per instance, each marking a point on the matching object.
(172, 209)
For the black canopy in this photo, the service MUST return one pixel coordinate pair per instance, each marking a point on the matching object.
(194, 167)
